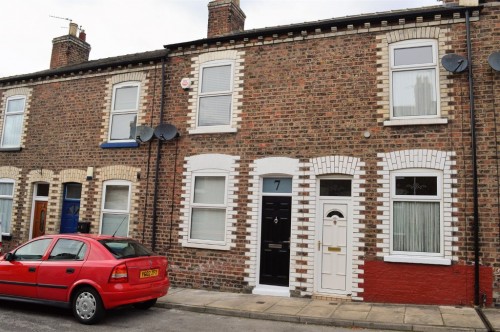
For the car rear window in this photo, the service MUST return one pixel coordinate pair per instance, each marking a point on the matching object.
(125, 248)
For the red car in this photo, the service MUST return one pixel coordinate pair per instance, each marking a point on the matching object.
(87, 273)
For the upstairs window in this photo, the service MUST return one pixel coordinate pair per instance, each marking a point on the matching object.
(124, 110)
(13, 122)
(414, 79)
(215, 95)
(6, 198)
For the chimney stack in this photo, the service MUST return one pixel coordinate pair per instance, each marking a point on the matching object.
(70, 49)
(225, 17)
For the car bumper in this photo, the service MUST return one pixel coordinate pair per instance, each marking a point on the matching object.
(122, 294)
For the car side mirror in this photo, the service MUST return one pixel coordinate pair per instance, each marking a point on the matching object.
(9, 257)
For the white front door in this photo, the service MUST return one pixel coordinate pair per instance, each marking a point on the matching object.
(333, 248)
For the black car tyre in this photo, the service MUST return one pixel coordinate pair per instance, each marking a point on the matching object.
(87, 306)
(145, 305)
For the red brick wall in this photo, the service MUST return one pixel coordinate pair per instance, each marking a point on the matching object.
(424, 284)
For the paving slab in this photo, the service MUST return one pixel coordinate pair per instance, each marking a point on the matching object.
(355, 307)
(349, 314)
(458, 320)
(457, 310)
(194, 298)
(387, 314)
(284, 309)
(227, 303)
(316, 310)
(255, 305)
(493, 316)
(423, 316)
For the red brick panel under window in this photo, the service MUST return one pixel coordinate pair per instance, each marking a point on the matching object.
(424, 284)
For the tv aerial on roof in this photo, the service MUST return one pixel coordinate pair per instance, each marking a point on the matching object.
(454, 63)
(494, 60)
(143, 133)
(166, 132)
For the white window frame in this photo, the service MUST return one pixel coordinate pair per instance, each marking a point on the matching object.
(110, 211)
(433, 65)
(11, 198)
(194, 205)
(6, 115)
(114, 112)
(230, 92)
(398, 256)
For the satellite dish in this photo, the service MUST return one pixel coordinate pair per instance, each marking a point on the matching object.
(494, 60)
(166, 132)
(454, 63)
(143, 133)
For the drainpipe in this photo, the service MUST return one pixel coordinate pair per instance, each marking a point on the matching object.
(474, 163)
(158, 157)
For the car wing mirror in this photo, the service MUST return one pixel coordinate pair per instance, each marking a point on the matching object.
(9, 257)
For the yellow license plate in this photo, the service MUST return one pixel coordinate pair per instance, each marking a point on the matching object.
(149, 273)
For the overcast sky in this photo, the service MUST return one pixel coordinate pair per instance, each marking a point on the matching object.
(118, 27)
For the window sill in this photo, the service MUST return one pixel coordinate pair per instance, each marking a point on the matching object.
(118, 145)
(212, 130)
(415, 122)
(10, 149)
(205, 246)
(417, 260)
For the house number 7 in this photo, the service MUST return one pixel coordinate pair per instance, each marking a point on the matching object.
(277, 182)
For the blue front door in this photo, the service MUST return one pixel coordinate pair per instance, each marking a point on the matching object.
(71, 207)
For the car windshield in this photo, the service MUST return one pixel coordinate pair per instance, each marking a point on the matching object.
(124, 248)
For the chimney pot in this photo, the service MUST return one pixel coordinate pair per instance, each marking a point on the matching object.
(73, 28)
(82, 35)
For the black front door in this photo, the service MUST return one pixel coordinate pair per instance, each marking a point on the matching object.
(275, 244)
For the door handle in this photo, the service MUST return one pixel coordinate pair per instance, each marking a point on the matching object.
(319, 245)
(70, 270)
(31, 269)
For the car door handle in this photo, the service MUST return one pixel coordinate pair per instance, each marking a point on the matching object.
(32, 269)
(70, 270)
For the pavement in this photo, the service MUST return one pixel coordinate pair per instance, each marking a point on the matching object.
(395, 317)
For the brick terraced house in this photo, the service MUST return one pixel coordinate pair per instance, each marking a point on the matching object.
(354, 158)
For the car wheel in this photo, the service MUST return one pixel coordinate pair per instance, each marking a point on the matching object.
(87, 306)
(145, 305)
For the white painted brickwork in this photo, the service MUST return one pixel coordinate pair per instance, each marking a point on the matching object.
(347, 166)
(233, 55)
(259, 169)
(138, 76)
(207, 163)
(22, 91)
(427, 32)
(424, 159)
